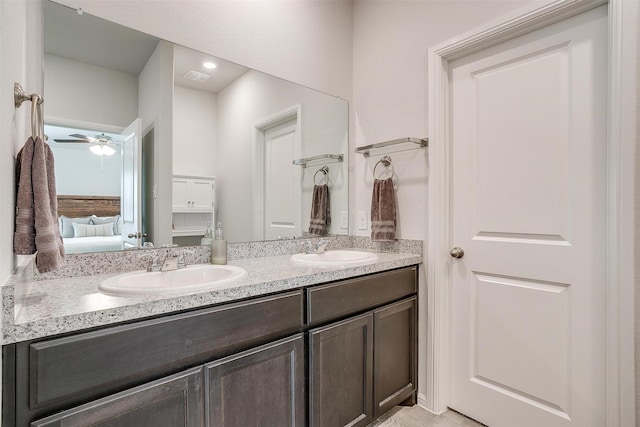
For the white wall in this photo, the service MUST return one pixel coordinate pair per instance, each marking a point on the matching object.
(390, 44)
(252, 99)
(20, 61)
(194, 132)
(83, 92)
(80, 172)
(308, 41)
(155, 94)
(391, 40)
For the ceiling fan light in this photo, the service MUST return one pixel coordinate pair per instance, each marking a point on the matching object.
(102, 150)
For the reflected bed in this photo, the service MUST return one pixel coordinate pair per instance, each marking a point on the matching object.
(81, 217)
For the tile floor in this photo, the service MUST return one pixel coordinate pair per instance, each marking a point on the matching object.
(415, 416)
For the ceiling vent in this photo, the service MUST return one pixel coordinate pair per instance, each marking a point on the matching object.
(196, 76)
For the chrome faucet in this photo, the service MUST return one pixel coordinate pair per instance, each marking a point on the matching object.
(306, 247)
(153, 265)
(318, 248)
(175, 260)
(181, 261)
(172, 260)
(321, 246)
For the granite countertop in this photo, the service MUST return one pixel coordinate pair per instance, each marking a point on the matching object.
(56, 306)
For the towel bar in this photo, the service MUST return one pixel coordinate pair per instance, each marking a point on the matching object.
(418, 143)
(303, 162)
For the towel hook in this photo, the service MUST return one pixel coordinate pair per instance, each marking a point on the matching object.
(325, 170)
(386, 162)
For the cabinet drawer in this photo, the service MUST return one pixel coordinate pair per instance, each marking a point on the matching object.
(169, 402)
(328, 302)
(89, 364)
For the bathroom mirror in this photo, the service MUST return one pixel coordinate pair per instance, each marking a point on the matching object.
(261, 141)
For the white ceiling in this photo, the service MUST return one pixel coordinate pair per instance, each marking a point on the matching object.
(186, 59)
(99, 42)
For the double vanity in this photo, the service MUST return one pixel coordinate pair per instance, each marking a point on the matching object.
(299, 340)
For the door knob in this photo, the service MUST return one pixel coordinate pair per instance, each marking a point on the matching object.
(136, 235)
(457, 252)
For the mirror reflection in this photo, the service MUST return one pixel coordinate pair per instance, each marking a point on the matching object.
(196, 140)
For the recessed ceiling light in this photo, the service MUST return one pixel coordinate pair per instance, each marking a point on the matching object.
(208, 64)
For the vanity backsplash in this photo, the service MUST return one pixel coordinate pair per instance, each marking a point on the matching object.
(90, 264)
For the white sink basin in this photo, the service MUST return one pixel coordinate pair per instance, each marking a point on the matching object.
(334, 258)
(192, 278)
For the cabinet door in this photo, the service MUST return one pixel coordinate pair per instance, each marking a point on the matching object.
(169, 402)
(201, 195)
(180, 194)
(258, 387)
(395, 362)
(340, 371)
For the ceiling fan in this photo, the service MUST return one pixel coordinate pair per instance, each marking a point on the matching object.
(102, 143)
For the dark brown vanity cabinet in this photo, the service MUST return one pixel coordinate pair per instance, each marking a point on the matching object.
(364, 365)
(329, 355)
(98, 370)
(258, 387)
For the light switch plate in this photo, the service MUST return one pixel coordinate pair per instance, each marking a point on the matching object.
(362, 220)
(344, 219)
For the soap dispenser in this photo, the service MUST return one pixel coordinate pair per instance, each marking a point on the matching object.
(207, 239)
(218, 247)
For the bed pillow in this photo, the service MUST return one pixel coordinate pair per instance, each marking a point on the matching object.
(66, 229)
(97, 220)
(90, 230)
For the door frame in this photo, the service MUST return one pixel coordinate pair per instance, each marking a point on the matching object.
(621, 140)
(259, 129)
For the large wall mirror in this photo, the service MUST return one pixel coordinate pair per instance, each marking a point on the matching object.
(164, 140)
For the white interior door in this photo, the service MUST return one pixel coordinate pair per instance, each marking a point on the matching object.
(529, 211)
(130, 206)
(282, 191)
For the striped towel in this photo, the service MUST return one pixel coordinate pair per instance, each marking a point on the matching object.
(383, 210)
(320, 211)
(37, 229)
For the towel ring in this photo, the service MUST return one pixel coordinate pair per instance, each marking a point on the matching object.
(386, 162)
(37, 122)
(325, 170)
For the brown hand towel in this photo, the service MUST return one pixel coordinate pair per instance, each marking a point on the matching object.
(24, 238)
(320, 211)
(383, 210)
(37, 227)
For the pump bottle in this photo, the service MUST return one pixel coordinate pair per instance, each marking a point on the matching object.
(218, 246)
